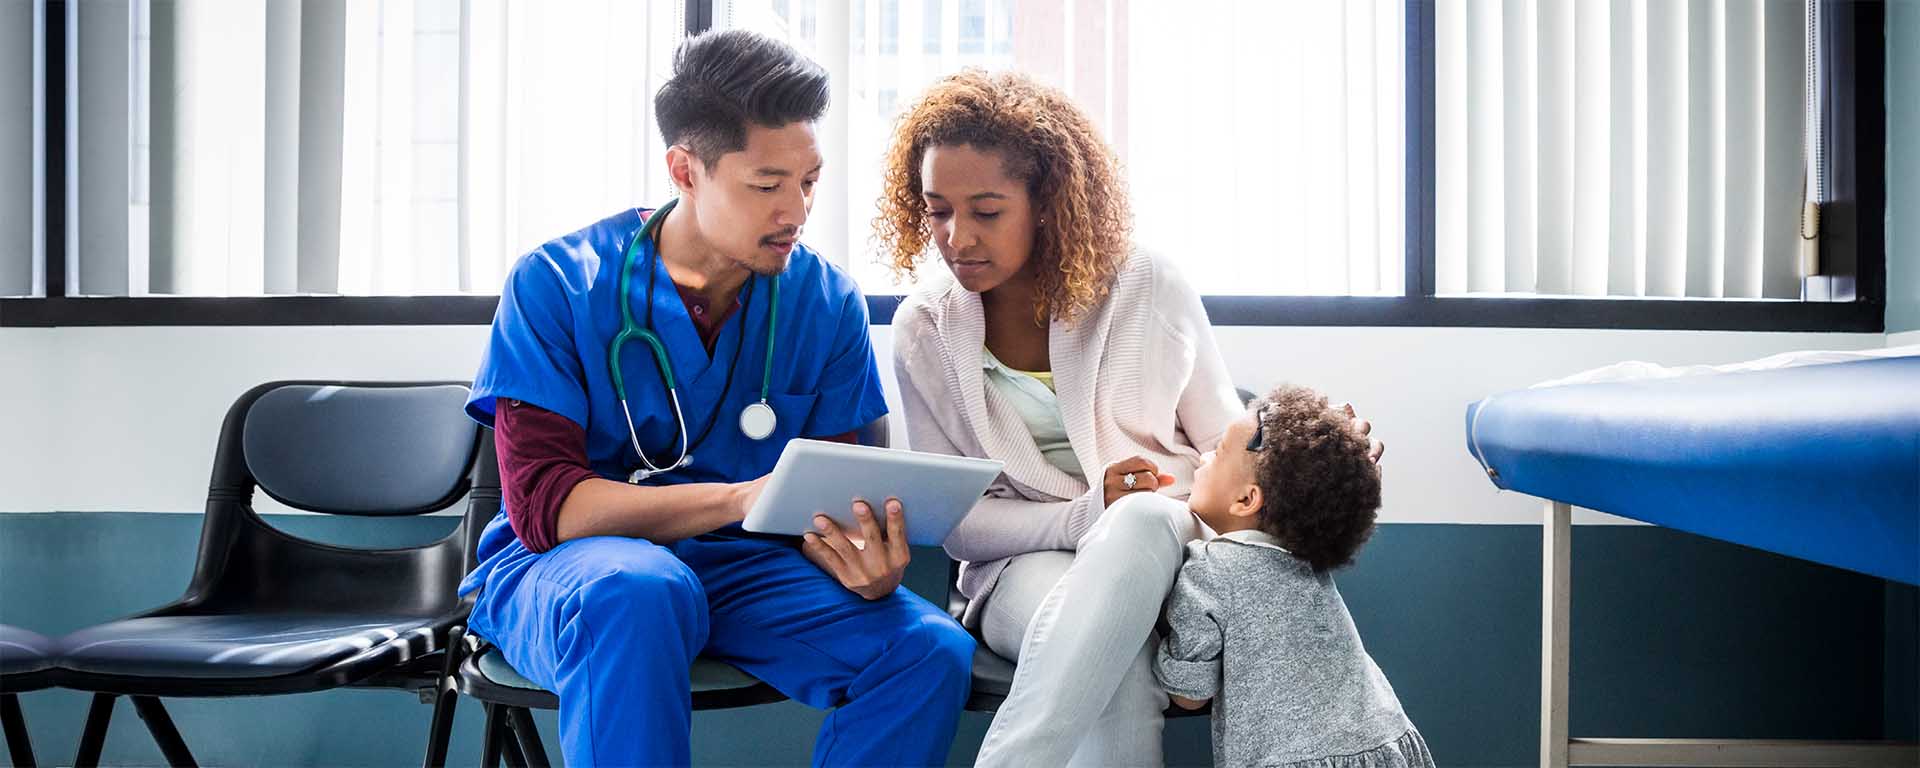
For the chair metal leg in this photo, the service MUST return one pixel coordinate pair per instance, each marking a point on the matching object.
(94, 735)
(441, 731)
(528, 736)
(15, 722)
(445, 698)
(496, 735)
(510, 748)
(160, 725)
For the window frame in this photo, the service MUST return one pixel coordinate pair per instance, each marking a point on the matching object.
(1852, 236)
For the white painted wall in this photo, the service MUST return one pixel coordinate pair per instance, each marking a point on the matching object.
(125, 419)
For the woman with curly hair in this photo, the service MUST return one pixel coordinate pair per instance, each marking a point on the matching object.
(1088, 367)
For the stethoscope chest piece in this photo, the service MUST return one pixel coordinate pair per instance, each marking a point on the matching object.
(758, 420)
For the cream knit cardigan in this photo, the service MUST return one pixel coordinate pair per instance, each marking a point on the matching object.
(1138, 375)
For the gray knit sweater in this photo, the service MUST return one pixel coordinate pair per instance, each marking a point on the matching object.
(1255, 629)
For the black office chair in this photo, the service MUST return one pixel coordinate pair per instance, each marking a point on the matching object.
(484, 675)
(993, 673)
(26, 664)
(269, 613)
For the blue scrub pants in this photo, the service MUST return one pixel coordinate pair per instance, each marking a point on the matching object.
(612, 623)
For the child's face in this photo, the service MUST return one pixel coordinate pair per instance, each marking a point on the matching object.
(1224, 494)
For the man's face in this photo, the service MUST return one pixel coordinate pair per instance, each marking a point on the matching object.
(752, 203)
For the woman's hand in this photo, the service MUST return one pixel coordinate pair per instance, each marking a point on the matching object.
(870, 569)
(1375, 448)
(1146, 477)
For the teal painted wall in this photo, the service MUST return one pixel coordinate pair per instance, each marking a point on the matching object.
(1903, 166)
(1674, 635)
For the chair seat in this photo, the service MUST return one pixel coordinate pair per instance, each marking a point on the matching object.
(24, 651)
(992, 675)
(708, 674)
(241, 646)
(716, 684)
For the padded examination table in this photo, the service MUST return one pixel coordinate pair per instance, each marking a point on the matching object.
(1820, 462)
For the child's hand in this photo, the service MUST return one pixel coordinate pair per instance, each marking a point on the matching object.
(1146, 477)
(1186, 703)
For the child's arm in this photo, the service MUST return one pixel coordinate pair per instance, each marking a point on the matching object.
(1187, 663)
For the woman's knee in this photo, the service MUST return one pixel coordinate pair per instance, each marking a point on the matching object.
(1149, 514)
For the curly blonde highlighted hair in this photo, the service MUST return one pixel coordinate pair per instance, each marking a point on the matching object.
(1045, 141)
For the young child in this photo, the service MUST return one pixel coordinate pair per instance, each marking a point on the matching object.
(1255, 623)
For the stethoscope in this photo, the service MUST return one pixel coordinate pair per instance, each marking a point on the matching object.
(757, 420)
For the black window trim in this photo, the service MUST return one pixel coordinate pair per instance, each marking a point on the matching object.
(1857, 227)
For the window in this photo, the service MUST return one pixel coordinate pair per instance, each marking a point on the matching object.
(1619, 149)
(1273, 218)
(931, 26)
(354, 148)
(1369, 162)
(20, 157)
(889, 26)
(973, 26)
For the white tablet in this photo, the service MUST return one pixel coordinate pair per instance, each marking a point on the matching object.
(818, 477)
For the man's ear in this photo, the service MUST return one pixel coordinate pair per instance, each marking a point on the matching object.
(684, 167)
(1249, 502)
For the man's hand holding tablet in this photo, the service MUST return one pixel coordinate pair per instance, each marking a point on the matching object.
(824, 492)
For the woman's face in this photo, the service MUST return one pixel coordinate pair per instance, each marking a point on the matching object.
(982, 219)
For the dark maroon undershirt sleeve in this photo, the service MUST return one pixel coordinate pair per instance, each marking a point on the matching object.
(543, 456)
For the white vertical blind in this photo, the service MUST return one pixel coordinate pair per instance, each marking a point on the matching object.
(1263, 141)
(19, 150)
(1618, 147)
(345, 146)
(561, 130)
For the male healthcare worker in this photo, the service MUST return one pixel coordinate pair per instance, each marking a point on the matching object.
(643, 375)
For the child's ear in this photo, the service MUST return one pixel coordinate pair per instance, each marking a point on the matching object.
(1249, 502)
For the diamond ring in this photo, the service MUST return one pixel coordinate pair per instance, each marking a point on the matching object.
(1128, 481)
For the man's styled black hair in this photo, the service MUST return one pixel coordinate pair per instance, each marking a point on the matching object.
(724, 80)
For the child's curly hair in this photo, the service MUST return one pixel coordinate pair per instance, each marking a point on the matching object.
(1320, 489)
(1045, 141)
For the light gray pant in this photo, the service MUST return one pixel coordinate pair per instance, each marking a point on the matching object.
(1080, 626)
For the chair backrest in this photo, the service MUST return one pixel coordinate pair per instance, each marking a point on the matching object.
(351, 448)
(360, 450)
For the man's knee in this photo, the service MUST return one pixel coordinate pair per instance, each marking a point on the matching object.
(944, 650)
(636, 579)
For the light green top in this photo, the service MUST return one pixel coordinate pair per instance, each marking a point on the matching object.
(1031, 394)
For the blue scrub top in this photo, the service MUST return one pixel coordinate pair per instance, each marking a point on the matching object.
(560, 310)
